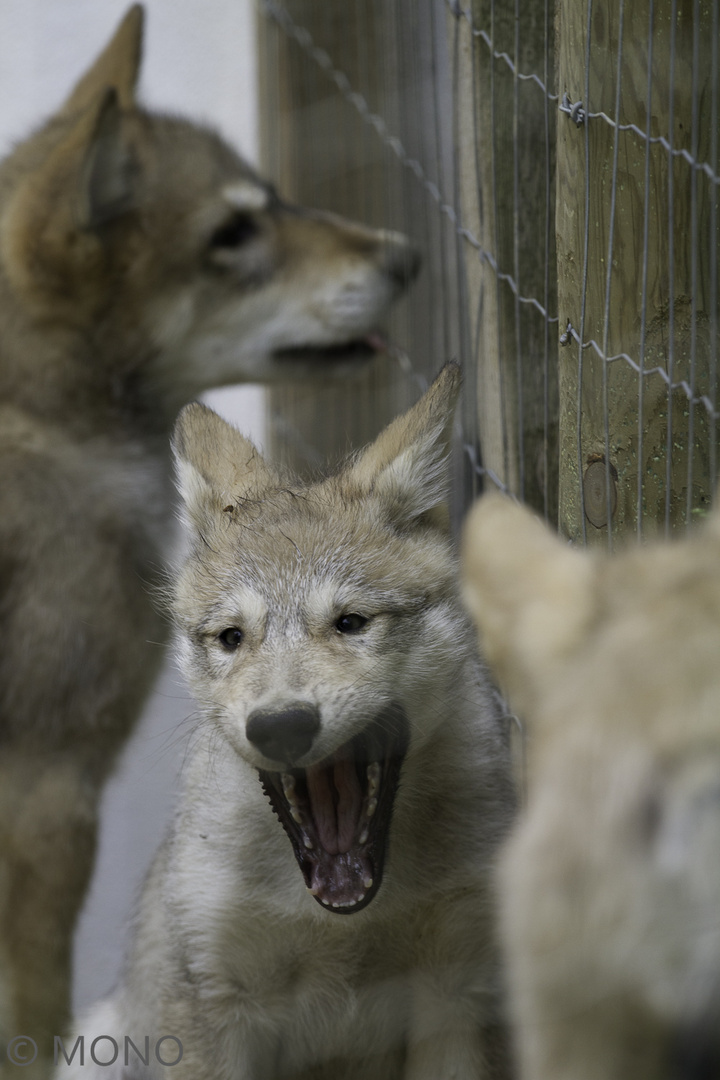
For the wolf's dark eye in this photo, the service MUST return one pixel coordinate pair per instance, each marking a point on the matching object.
(350, 623)
(231, 638)
(234, 233)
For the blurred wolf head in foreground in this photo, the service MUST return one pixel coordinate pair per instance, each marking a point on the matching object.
(610, 885)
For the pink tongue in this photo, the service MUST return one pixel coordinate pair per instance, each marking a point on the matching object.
(336, 801)
(377, 341)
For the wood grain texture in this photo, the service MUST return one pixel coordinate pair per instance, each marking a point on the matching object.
(323, 154)
(658, 308)
(506, 167)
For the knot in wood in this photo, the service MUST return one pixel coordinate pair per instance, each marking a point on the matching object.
(595, 492)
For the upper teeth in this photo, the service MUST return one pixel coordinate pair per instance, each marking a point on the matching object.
(374, 773)
(288, 786)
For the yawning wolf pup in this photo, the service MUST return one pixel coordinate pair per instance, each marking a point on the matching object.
(321, 630)
(141, 262)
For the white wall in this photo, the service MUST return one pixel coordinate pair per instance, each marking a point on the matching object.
(199, 60)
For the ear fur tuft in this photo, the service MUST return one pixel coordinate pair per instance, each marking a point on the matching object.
(530, 595)
(109, 172)
(406, 466)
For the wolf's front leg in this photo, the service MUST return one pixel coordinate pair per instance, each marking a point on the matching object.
(47, 846)
(458, 1029)
(450, 1041)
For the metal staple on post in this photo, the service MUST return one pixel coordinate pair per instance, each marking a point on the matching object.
(575, 111)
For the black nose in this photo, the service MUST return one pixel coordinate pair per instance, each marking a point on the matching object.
(284, 734)
(401, 261)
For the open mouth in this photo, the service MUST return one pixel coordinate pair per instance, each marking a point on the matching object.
(359, 349)
(337, 813)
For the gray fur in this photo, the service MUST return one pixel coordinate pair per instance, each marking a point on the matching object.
(141, 262)
(231, 953)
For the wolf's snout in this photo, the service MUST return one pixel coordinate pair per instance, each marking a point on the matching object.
(400, 260)
(283, 734)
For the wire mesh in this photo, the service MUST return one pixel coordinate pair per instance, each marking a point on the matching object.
(642, 369)
(568, 221)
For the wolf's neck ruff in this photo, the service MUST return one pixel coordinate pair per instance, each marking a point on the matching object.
(337, 813)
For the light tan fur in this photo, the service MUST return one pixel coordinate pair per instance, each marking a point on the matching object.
(232, 954)
(141, 262)
(610, 885)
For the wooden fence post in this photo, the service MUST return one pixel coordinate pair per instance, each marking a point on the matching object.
(323, 153)
(506, 148)
(637, 273)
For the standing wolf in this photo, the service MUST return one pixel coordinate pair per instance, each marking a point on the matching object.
(321, 907)
(141, 262)
(610, 892)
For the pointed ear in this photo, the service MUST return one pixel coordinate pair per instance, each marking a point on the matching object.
(47, 232)
(531, 596)
(117, 66)
(406, 466)
(216, 466)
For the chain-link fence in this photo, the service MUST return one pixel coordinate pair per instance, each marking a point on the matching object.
(558, 166)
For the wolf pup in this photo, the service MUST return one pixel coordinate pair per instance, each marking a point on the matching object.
(321, 906)
(141, 262)
(610, 891)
